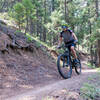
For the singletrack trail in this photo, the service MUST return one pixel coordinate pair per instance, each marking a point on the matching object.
(72, 84)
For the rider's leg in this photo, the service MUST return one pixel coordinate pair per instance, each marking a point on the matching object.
(72, 48)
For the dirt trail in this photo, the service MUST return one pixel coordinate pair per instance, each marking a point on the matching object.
(72, 84)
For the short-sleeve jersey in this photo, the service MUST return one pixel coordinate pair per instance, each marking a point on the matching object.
(67, 35)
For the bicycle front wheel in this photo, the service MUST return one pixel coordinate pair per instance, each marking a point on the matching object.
(78, 67)
(64, 66)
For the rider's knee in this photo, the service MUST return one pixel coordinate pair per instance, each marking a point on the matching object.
(72, 48)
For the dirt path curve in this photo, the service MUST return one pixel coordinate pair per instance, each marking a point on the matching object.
(73, 84)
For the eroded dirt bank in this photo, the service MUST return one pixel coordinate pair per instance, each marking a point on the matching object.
(23, 65)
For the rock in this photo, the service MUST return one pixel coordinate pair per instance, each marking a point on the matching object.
(11, 65)
(4, 41)
(2, 22)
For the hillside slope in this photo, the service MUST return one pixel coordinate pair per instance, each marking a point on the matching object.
(23, 65)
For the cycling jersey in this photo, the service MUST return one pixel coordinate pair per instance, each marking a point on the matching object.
(67, 35)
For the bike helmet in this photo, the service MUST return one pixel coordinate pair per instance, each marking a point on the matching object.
(64, 26)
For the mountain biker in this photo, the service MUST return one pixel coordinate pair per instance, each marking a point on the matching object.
(69, 37)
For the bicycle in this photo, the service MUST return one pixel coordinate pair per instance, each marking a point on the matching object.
(65, 63)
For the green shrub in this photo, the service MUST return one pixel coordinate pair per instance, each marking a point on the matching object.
(91, 66)
(29, 38)
(89, 92)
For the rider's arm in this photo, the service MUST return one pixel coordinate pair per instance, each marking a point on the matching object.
(60, 41)
(74, 36)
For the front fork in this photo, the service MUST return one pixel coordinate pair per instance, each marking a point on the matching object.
(66, 60)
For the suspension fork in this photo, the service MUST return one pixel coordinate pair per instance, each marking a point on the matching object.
(68, 58)
(67, 55)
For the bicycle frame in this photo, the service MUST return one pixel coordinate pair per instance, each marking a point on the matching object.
(67, 54)
(67, 60)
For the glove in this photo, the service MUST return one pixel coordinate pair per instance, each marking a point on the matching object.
(58, 47)
(75, 41)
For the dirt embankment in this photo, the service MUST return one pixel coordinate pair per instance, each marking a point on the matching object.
(23, 65)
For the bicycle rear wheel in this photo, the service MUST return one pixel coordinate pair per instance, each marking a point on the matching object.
(64, 66)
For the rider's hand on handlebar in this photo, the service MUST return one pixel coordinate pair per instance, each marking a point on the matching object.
(58, 47)
(76, 41)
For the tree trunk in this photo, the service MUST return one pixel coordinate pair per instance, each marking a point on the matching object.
(31, 26)
(26, 29)
(37, 27)
(41, 29)
(65, 11)
(99, 53)
(44, 32)
(91, 47)
(53, 7)
(98, 41)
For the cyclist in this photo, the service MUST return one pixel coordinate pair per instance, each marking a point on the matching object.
(69, 37)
